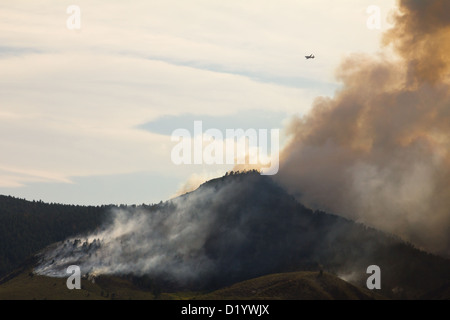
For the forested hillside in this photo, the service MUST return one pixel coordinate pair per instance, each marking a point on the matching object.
(27, 227)
(231, 229)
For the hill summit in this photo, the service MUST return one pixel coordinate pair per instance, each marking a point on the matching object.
(239, 227)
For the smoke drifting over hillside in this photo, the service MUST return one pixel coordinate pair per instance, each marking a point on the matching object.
(229, 229)
(236, 228)
(168, 241)
(378, 151)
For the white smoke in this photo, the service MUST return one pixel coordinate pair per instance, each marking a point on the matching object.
(168, 241)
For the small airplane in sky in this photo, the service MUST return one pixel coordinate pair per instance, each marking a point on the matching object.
(311, 56)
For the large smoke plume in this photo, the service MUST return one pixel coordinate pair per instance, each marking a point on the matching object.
(378, 151)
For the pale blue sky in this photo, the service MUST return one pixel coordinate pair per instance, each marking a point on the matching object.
(85, 114)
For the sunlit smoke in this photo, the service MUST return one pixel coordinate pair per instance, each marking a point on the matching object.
(378, 151)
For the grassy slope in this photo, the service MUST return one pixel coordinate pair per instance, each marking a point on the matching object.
(442, 293)
(286, 286)
(294, 286)
(28, 287)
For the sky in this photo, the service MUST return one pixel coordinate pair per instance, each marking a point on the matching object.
(86, 115)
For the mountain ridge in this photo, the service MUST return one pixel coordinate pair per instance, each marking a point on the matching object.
(245, 226)
(255, 228)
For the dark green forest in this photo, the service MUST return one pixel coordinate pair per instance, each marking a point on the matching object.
(27, 227)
